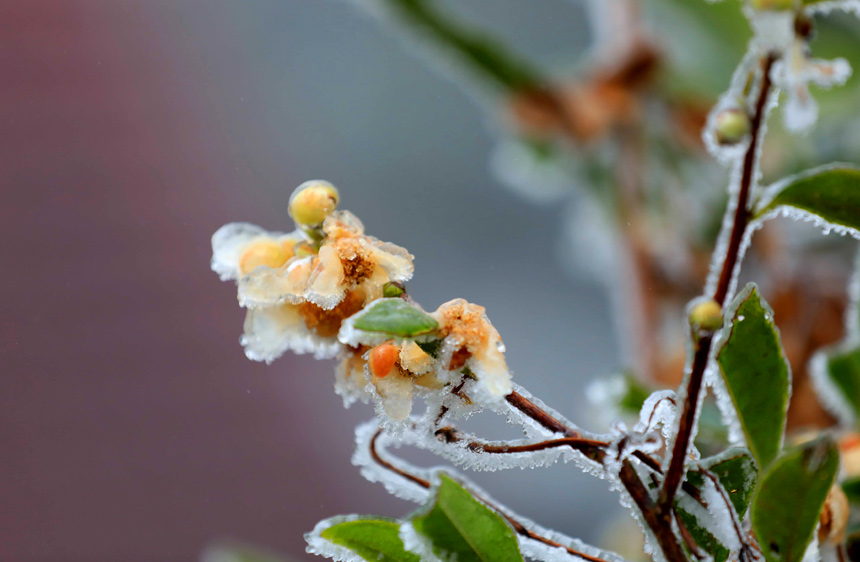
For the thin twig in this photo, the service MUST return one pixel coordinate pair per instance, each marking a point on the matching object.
(518, 527)
(675, 472)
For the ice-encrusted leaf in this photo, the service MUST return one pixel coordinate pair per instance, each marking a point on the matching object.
(843, 370)
(788, 502)
(462, 528)
(830, 193)
(735, 470)
(756, 373)
(394, 317)
(372, 539)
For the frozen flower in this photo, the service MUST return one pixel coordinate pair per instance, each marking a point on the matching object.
(470, 341)
(390, 372)
(300, 286)
(785, 34)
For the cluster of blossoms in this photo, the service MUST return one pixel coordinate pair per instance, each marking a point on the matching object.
(329, 289)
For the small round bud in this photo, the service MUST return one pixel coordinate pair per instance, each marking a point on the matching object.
(304, 249)
(393, 289)
(382, 359)
(772, 5)
(312, 202)
(731, 126)
(706, 315)
(269, 253)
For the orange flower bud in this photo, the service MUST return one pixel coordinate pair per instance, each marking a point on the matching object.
(382, 359)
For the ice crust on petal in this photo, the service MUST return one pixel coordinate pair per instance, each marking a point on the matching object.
(229, 243)
(271, 331)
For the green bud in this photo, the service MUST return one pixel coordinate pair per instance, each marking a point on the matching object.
(312, 202)
(731, 125)
(393, 289)
(706, 315)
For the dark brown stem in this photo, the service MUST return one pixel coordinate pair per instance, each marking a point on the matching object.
(531, 409)
(518, 527)
(675, 472)
(659, 521)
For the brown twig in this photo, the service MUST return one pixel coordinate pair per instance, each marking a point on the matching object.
(518, 527)
(675, 472)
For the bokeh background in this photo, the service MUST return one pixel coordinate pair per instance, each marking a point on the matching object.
(131, 425)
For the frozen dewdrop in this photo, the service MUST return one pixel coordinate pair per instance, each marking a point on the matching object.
(382, 359)
(772, 5)
(706, 315)
(266, 252)
(731, 125)
(834, 516)
(312, 202)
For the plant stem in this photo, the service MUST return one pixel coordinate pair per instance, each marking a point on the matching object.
(518, 527)
(675, 472)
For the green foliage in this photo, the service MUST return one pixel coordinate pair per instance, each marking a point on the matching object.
(756, 373)
(735, 470)
(372, 539)
(843, 369)
(456, 525)
(479, 52)
(395, 317)
(829, 193)
(462, 527)
(788, 502)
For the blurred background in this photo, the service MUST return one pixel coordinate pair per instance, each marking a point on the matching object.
(131, 425)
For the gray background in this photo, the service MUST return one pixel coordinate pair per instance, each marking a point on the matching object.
(131, 425)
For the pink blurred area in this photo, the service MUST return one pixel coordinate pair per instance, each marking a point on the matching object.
(131, 425)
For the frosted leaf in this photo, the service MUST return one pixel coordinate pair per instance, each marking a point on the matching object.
(271, 331)
(324, 547)
(828, 6)
(417, 543)
(830, 396)
(658, 413)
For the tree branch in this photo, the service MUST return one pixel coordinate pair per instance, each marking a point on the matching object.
(675, 472)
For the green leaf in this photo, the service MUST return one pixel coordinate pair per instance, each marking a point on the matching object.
(842, 367)
(394, 317)
(735, 470)
(634, 396)
(462, 528)
(851, 487)
(756, 373)
(475, 50)
(789, 499)
(830, 193)
(373, 539)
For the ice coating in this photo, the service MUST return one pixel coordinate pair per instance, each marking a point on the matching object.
(271, 331)
(231, 241)
(323, 547)
(658, 414)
